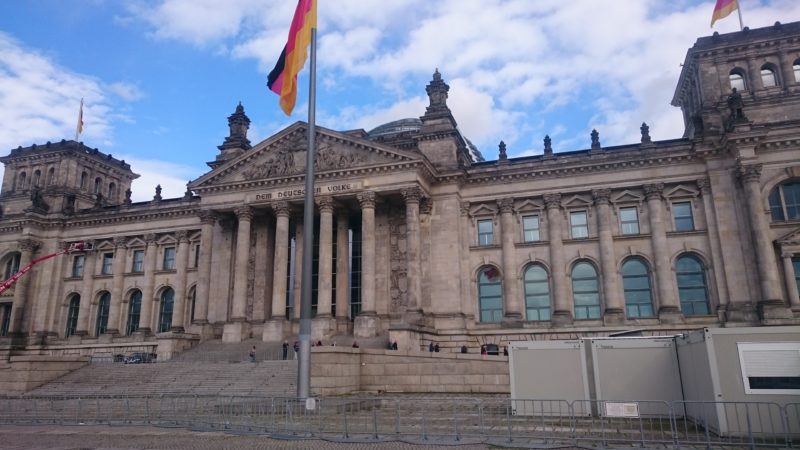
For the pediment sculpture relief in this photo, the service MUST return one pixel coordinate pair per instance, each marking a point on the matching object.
(286, 162)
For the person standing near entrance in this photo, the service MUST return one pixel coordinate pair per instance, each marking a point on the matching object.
(285, 350)
(253, 354)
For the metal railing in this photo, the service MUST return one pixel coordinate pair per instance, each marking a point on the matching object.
(499, 421)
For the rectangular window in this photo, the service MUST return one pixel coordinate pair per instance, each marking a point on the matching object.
(138, 261)
(108, 261)
(196, 256)
(77, 266)
(169, 258)
(682, 214)
(578, 225)
(770, 367)
(530, 228)
(485, 233)
(629, 220)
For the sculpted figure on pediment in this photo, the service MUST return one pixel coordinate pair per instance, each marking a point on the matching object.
(330, 158)
(278, 164)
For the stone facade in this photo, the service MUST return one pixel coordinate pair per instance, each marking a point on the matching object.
(417, 240)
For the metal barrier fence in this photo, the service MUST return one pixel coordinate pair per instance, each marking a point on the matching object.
(499, 421)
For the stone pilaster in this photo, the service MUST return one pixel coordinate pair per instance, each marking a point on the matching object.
(207, 221)
(148, 294)
(120, 253)
(237, 330)
(668, 305)
(771, 305)
(367, 322)
(614, 312)
(274, 328)
(513, 301)
(412, 198)
(181, 266)
(87, 294)
(562, 303)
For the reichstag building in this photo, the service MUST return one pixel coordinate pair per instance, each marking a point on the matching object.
(418, 239)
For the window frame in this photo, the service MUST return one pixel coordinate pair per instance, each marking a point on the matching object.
(626, 290)
(623, 222)
(768, 70)
(481, 235)
(778, 194)
(103, 309)
(483, 298)
(73, 309)
(706, 291)
(678, 219)
(584, 226)
(528, 296)
(12, 265)
(740, 83)
(535, 232)
(596, 292)
(107, 265)
(134, 304)
(168, 261)
(762, 348)
(166, 310)
(137, 264)
(78, 266)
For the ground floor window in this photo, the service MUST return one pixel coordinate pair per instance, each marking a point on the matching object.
(134, 310)
(636, 286)
(5, 318)
(102, 314)
(537, 293)
(692, 288)
(585, 291)
(490, 295)
(165, 315)
(72, 315)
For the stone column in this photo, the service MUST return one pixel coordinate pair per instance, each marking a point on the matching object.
(669, 308)
(237, 330)
(413, 272)
(366, 324)
(27, 247)
(321, 324)
(87, 294)
(120, 252)
(771, 304)
(513, 301)
(468, 304)
(791, 281)
(297, 279)
(49, 308)
(150, 261)
(562, 303)
(342, 271)
(207, 220)
(704, 185)
(787, 71)
(274, 328)
(181, 266)
(614, 304)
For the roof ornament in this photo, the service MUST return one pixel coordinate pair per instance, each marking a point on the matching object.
(548, 147)
(645, 133)
(157, 197)
(437, 91)
(502, 148)
(595, 139)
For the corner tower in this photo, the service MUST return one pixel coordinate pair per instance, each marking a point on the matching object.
(439, 139)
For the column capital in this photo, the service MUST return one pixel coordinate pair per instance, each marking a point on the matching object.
(552, 201)
(120, 241)
(281, 208)
(506, 205)
(704, 184)
(425, 206)
(412, 194)
(207, 216)
(29, 245)
(150, 238)
(366, 199)
(464, 207)
(182, 236)
(326, 204)
(786, 254)
(601, 196)
(244, 213)
(748, 173)
(653, 191)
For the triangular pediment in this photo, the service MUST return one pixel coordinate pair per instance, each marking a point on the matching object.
(284, 156)
(681, 191)
(530, 205)
(482, 209)
(577, 201)
(791, 238)
(627, 196)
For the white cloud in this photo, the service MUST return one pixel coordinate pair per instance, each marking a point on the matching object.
(126, 91)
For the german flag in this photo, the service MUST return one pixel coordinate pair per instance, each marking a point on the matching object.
(283, 78)
(722, 9)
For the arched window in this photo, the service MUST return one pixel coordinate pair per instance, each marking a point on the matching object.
(692, 288)
(768, 77)
(37, 177)
(134, 310)
(736, 78)
(784, 202)
(490, 295)
(12, 266)
(51, 176)
(167, 304)
(585, 291)
(112, 190)
(537, 293)
(102, 314)
(97, 185)
(23, 181)
(72, 315)
(796, 69)
(84, 177)
(636, 285)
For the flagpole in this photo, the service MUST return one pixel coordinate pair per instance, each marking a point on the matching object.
(304, 363)
(739, 10)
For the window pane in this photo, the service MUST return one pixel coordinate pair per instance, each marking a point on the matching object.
(776, 206)
(77, 266)
(583, 270)
(629, 220)
(537, 293)
(530, 227)
(682, 214)
(485, 235)
(169, 258)
(791, 199)
(490, 296)
(767, 78)
(484, 226)
(692, 288)
(737, 81)
(138, 261)
(796, 68)
(584, 285)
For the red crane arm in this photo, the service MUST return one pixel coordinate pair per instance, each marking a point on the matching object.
(10, 282)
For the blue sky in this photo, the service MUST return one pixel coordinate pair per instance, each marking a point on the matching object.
(160, 77)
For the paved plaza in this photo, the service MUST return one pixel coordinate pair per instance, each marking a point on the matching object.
(97, 437)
